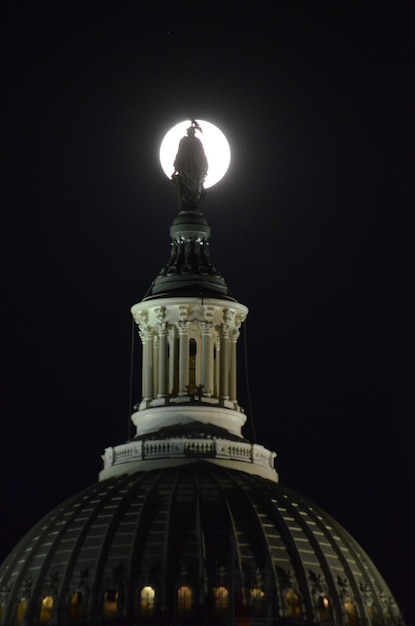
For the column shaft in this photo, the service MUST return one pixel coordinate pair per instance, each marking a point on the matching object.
(162, 386)
(207, 364)
(224, 366)
(147, 367)
(183, 361)
(233, 369)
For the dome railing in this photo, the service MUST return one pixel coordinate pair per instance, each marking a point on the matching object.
(183, 447)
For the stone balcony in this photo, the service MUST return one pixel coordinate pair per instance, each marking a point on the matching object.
(149, 454)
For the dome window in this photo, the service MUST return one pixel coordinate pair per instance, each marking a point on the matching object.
(75, 607)
(351, 613)
(20, 612)
(257, 601)
(46, 610)
(221, 595)
(147, 601)
(372, 614)
(292, 600)
(184, 600)
(324, 609)
(110, 605)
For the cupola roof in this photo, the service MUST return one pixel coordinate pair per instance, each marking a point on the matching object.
(190, 270)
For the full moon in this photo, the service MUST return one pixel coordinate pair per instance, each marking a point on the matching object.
(214, 142)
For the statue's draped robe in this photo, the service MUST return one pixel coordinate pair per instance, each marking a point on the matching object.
(190, 169)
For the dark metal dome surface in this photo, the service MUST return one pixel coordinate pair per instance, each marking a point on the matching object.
(190, 270)
(195, 544)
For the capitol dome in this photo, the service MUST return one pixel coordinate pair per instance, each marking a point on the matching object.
(188, 522)
(197, 544)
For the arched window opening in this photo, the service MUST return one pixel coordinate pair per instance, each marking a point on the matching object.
(110, 605)
(292, 600)
(324, 609)
(257, 601)
(221, 596)
(46, 610)
(192, 366)
(75, 607)
(147, 601)
(372, 614)
(20, 612)
(184, 600)
(351, 613)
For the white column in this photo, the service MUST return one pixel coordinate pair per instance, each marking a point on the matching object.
(217, 360)
(207, 359)
(155, 364)
(173, 360)
(147, 367)
(183, 328)
(233, 366)
(162, 386)
(224, 364)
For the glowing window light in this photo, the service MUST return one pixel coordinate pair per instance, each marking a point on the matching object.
(293, 605)
(20, 612)
(324, 609)
(257, 600)
(147, 600)
(75, 608)
(184, 599)
(351, 613)
(46, 610)
(110, 605)
(221, 595)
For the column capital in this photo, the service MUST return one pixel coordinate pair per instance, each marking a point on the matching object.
(205, 327)
(183, 327)
(160, 314)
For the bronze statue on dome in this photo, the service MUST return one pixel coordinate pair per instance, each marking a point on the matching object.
(190, 169)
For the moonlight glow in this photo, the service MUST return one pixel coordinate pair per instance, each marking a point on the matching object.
(215, 144)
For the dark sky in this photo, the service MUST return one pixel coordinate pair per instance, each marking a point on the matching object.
(311, 228)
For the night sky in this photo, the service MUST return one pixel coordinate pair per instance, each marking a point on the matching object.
(311, 228)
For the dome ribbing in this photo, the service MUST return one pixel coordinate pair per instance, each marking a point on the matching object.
(199, 544)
